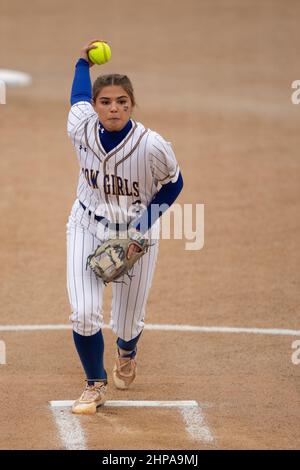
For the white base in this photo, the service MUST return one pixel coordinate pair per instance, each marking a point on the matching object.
(15, 78)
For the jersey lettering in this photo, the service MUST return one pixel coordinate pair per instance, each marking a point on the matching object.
(91, 176)
(115, 185)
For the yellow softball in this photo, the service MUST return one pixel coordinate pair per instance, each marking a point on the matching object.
(101, 55)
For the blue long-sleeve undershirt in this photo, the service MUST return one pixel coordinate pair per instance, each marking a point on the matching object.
(165, 197)
(82, 85)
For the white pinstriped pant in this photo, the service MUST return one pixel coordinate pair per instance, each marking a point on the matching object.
(86, 290)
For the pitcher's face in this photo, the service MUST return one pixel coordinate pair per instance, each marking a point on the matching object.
(113, 106)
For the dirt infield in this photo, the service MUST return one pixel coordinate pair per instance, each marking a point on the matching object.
(214, 78)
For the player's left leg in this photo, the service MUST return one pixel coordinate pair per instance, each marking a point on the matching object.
(128, 314)
(125, 367)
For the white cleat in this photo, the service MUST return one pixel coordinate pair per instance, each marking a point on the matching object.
(124, 372)
(92, 397)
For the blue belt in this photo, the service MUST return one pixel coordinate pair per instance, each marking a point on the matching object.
(104, 221)
(99, 218)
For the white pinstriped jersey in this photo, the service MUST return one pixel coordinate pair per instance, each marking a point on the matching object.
(128, 176)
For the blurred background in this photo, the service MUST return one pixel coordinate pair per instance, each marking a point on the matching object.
(214, 78)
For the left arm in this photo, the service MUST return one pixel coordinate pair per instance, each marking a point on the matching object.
(161, 202)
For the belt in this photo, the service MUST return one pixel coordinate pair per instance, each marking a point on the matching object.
(99, 218)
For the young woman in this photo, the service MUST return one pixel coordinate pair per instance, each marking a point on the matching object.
(125, 171)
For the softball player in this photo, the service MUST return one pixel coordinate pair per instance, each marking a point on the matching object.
(125, 171)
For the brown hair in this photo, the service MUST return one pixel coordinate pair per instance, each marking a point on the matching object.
(113, 79)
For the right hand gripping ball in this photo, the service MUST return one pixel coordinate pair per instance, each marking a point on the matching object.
(101, 55)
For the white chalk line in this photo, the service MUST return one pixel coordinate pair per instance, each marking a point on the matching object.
(72, 435)
(70, 431)
(182, 328)
(133, 403)
(195, 424)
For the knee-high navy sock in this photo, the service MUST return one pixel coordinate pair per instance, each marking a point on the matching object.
(90, 350)
(129, 346)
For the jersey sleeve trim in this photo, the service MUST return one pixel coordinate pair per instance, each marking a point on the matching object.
(173, 177)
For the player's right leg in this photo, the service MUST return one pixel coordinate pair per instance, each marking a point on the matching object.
(85, 294)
